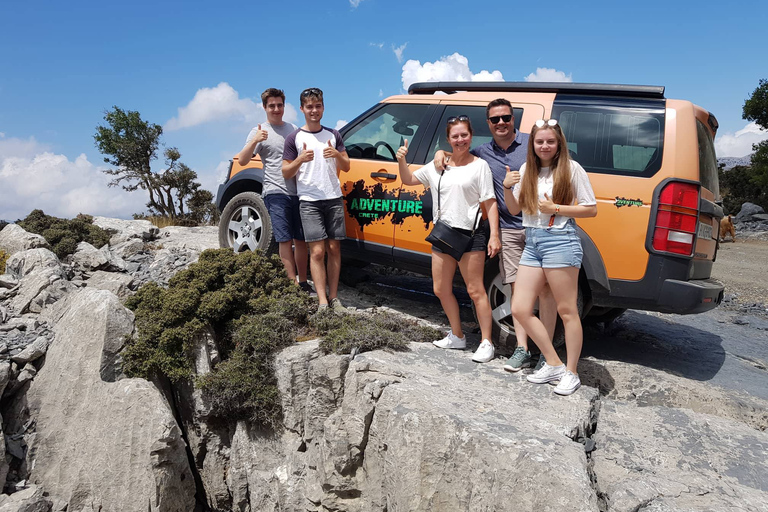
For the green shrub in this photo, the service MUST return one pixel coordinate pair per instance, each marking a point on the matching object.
(63, 235)
(255, 310)
(3, 259)
(342, 333)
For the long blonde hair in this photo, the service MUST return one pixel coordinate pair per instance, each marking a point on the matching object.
(562, 191)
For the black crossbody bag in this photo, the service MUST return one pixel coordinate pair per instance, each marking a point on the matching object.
(449, 240)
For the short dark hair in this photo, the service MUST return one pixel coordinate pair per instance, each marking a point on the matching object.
(311, 93)
(271, 93)
(499, 102)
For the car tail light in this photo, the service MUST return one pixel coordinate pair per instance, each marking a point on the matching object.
(677, 218)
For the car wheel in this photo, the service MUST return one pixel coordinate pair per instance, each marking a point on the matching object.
(245, 224)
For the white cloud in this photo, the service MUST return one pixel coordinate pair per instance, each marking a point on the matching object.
(399, 51)
(355, 3)
(451, 68)
(33, 177)
(215, 104)
(377, 45)
(549, 75)
(740, 143)
(2, 135)
(381, 93)
(221, 171)
(340, 124)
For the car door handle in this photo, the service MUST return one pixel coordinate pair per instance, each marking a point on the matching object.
(385, 175)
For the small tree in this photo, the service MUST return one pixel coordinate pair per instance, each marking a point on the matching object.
(130, 144)
(756, 109)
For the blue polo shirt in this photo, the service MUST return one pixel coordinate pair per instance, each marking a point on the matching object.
(514, 156)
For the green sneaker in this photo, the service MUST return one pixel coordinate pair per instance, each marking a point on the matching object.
(520, 359)
(337, 306)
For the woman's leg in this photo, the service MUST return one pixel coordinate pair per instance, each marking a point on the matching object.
(530, 282)
(564, 283)
(443, 270)
(472, 265)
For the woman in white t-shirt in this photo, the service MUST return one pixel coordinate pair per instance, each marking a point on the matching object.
(464, 185)
(551, 190)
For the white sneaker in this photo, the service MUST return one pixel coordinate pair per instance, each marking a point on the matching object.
(451, 341)
(484, 352)
(547, 374)
(569, 383)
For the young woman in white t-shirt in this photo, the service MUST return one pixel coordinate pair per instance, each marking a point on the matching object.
(551, 190)
(464, 185)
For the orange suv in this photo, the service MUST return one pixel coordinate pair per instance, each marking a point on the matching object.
(651, 161)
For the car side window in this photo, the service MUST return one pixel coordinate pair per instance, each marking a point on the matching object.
(481, 133)
(378, 136)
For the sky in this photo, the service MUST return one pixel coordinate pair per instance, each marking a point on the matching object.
(198, 69)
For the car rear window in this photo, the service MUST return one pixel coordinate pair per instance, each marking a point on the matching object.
(613, 136)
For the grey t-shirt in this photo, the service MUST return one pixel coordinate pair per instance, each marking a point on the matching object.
(271, 153)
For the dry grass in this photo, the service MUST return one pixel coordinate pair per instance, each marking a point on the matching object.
(161, 222)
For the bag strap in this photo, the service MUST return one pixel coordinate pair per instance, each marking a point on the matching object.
(479, 207)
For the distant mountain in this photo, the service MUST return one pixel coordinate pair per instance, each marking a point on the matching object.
(731, 161)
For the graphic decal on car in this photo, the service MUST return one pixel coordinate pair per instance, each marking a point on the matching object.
(367, 204)
(623, 201)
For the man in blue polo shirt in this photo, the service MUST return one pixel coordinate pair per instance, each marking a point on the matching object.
(508, 151)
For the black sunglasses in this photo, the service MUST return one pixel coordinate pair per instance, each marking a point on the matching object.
(312, 91)
(461, 118)
(495, 119)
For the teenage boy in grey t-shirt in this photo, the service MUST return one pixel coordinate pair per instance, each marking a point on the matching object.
(268, 140)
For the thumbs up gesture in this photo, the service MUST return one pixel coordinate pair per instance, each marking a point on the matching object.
(261, 135)
(306, 155)
(512, 178)
(402, 151)
(546, 205)
(330, 151)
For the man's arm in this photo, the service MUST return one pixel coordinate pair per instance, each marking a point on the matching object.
(245, 155)
(291, 167)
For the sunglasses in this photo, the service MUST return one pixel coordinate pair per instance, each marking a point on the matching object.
(312, 91)
(549, 122)
(461, 118)
(495, 119)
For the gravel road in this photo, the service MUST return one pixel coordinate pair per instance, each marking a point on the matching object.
(742, 267)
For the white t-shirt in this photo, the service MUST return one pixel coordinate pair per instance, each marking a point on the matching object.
(271, 152)
(582, 191)
(317, 179)
(462, 190)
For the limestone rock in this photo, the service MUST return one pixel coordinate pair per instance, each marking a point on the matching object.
(30, 499)
(32, 285)
(127, 229)
(128, 248)
(121, 448)
(34, 351)
(23, 263)
(678, 460)
(195, 239)
(13, 239)
(87, 257)
(119, 284)
(747, 211)
(418, 431)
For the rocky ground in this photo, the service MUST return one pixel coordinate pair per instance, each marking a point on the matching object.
(672, 414)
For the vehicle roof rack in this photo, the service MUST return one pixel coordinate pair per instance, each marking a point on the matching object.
(635, 91)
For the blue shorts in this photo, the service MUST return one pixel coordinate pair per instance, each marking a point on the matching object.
(552, 248)
(284, 214)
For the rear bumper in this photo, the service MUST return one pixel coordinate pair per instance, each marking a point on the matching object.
(688, 297)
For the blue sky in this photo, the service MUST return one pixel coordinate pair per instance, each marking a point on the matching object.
(197, 68)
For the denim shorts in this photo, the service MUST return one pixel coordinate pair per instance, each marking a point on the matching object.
(478, 242)
(552, 248)
(323, 219)
(284, 214)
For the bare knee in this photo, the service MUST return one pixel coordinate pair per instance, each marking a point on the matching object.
(476, 292)
(317, 252)
(442, 291)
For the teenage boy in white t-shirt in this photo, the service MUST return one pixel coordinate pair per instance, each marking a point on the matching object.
(279, 194)
(315, 154)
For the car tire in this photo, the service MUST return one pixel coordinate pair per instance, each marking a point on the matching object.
(500, 295)
(245, 225)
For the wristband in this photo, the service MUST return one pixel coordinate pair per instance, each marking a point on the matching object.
(557, 209)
